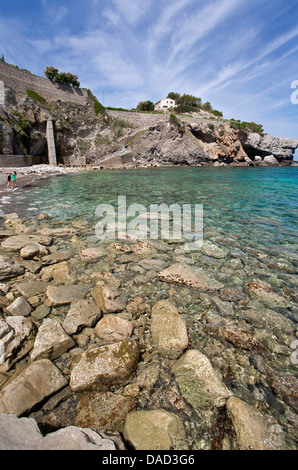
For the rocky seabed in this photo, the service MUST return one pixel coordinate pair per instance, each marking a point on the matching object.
(134, 344)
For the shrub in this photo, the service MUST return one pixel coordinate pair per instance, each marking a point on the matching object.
(174, 120)
(145, 106)
(247, 126)
(36, 97)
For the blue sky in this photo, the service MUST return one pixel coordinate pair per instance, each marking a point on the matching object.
(241, 55)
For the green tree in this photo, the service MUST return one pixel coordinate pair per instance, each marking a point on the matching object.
(207, 107)
(65, 78)
(145, 106)
(173, 96)
(51, 73)
(190, 100)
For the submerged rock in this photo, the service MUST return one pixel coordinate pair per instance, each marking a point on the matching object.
(104, 366)
(104, 411)
(64, 295)
(198, 382)
(168, 329)
(213, 250)
(192, 277)
(108, 299)
(17, 242)
(239, 337)
(90, 254)
(266, 294)
(112, 329)
(252, 431)
(155, 430)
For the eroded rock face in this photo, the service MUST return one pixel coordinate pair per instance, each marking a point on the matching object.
(280, 148)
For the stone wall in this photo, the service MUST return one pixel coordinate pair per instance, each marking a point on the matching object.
(20, 80)
(2, 93)
(17, 161)
(139, 119)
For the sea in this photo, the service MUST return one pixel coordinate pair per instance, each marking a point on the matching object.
(249, 224)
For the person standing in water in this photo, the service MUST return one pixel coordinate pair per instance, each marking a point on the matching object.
(9, 180)
(14, 178)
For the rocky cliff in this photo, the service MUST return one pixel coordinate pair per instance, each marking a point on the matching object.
(89, 134)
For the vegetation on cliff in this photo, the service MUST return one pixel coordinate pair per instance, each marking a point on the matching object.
(65, 78)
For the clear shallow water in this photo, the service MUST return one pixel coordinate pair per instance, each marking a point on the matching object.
(251, 214)
(258, 206)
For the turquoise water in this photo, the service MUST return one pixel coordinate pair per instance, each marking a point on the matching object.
(256, 206)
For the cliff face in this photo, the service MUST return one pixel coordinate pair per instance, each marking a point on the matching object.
(113, 138)
(207, 142)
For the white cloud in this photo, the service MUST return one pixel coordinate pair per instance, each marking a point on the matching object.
(128, 11)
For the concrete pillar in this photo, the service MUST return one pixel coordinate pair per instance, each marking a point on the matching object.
(2, 93)
(51, 143)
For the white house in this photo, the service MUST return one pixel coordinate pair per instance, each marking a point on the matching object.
(164, 104)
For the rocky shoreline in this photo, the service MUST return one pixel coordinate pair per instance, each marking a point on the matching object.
(101, 338)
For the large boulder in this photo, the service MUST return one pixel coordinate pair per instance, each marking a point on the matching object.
(155, 430)
(37, 382)
(198, 382)
(270, 160)
(24, 434)
(17, 242)
(9, 268)
(112, 329)
(252, 430)
(168, 329)
(82, 313)
(101, 367)
(56, 296)
(51, 341)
